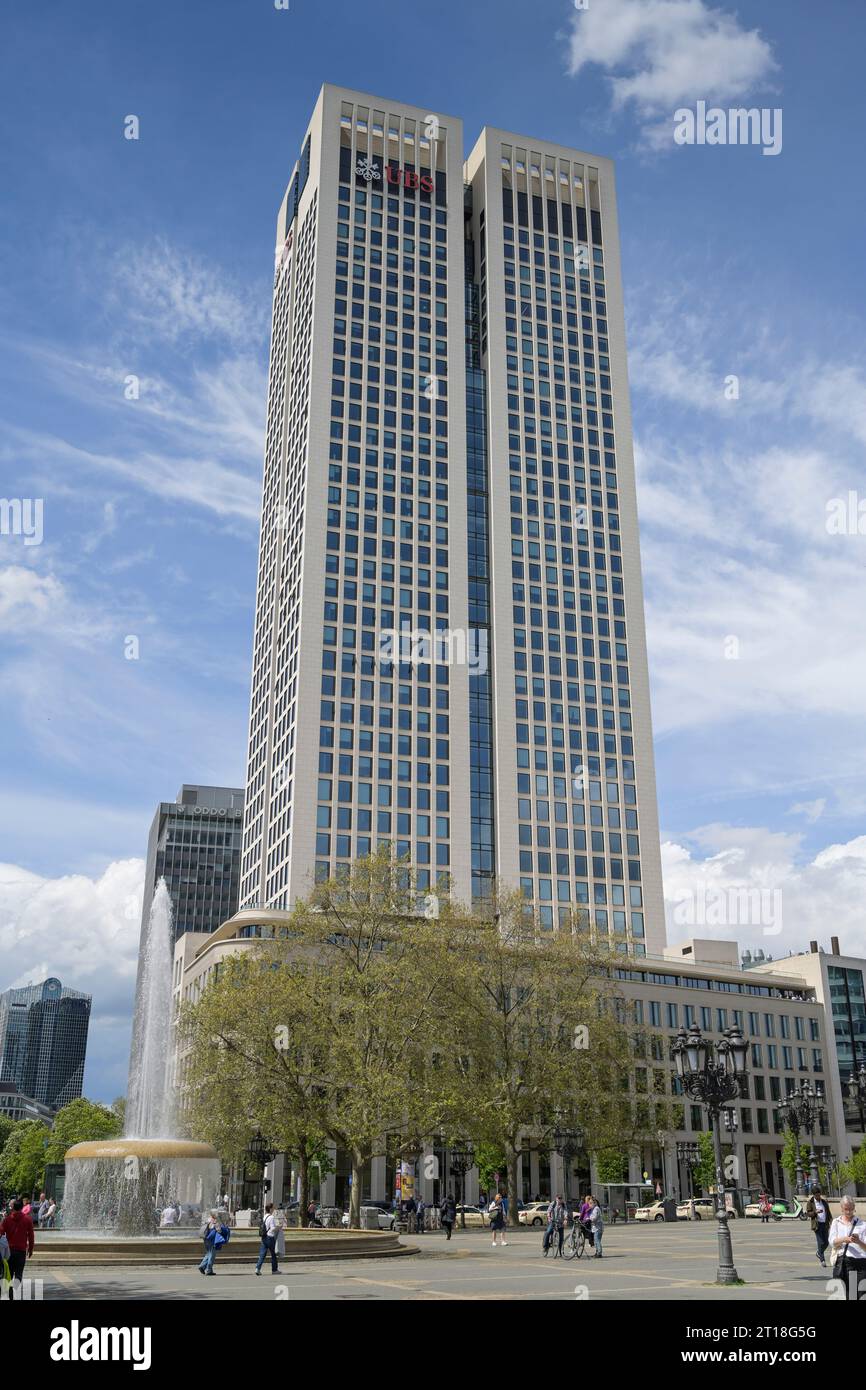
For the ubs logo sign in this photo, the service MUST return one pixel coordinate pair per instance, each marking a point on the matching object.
(371, 171)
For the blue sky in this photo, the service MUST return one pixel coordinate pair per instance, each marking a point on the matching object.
(154, 258)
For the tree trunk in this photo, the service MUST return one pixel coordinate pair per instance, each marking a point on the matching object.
(355, 1195)
(304, 1175)
(511, 1187)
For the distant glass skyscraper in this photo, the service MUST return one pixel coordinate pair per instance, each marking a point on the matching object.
(449, 651)
(43, 1041)
(195, 845)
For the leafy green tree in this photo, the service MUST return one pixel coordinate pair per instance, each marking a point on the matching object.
(118, 1105)
(489, 1160)
(22, 1163)
(611, 1165)
(77, 1122)
(7, 1124)
(789, 1157)
(704, 1171)
(537, 1036)
(254, 1065)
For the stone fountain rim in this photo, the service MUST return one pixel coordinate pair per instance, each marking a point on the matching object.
(140, 1148)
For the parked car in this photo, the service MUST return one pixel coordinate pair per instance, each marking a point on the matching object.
(474, 1217)
(653, 1211)
(781, 1207)
(705, 1210)
(534, 1214)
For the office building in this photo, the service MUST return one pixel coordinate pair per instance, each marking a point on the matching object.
(195, 845)
(43, 1041)
(449, 642)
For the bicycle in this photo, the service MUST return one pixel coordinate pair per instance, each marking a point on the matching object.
(575, 1243)
(551, 1243)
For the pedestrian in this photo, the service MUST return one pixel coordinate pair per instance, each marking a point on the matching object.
(497, 1219)
(819, 1214)
(410, 1210)
(311, 1214)
(583, 1218)
(765, 1207)
(596, 1224)
(215, 1236)
(848, 1243)
(555, 1226)
(52, 1212)
(447, 1214)
(168, 1216)
(42, 1210)
(17, 1227)
(269, 1231)
(421, 1215)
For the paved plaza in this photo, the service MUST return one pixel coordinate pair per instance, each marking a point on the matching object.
(640, 1262)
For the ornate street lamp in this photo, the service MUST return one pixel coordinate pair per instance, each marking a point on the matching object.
(567, 1142)
(462, 1161)
(712, 1075)
(812, 1111)
(803, 1109)
(857, 1092)
(259, 1154)
(789, 1114)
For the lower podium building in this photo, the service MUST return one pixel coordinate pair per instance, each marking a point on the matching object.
(793, 1014)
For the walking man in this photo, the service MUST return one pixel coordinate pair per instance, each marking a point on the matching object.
(819, 1214)
(269, 1232)
(447, 1214)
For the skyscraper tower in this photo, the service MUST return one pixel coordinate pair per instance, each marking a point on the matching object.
(449, 642)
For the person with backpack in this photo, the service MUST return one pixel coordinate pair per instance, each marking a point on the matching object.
(497, 1220)
(420, 1216)
(447, 1214)
(16, 1230)
(269, 1231)
(765, 1207)
(555, 1226)
(215, 1235)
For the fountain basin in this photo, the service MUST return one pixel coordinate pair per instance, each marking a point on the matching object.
(120, 1185)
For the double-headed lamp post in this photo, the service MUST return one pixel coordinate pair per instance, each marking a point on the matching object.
(789, 1114)
(567, 1143)
(710, 1073)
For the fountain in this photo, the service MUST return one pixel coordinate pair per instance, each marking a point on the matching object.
(118, 1185)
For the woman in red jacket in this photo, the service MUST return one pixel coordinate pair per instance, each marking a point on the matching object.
(18, 1230)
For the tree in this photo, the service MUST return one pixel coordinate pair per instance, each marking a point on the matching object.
(537, 1036)
(374, 973)
(326, 1032)
(789, 1157)
(118, 1105)
(7, 1124)
(704, 1171)
(77, 1122)
(22, 1163)
(253, 1064)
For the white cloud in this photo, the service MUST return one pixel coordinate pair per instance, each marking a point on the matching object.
(663, 53)
(819, 896)
(27, 599)
(85, 931)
